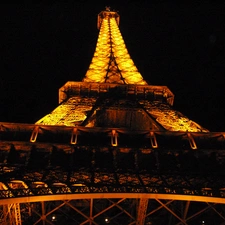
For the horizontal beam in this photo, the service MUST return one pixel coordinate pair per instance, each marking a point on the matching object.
(72, 88)
(64, 197)
(46, 135)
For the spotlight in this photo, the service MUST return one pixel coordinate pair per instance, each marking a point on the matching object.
(106, 220)
(54, 218)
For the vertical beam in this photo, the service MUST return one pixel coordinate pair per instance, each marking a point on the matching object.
(43, 216)
(6, 214)
(91, 211)
(17, 214)
(12, 214)
(114, 136)
(73, 139)
(153, 140)
(142, 209)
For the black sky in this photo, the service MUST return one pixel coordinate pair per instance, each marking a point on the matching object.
(181, 46)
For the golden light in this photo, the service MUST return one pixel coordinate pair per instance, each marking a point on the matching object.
(70, 113)
(111, 61)
(171, 119)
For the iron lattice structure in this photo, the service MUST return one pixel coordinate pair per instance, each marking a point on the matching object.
(114, 151)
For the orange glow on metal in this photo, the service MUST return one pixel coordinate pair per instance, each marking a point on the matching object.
(34, 134)
(62, 197)
(171, 119)
(114, 138)
(153, 140)
(111, 61)
(70, 113)
(112, 65)
(74, 136)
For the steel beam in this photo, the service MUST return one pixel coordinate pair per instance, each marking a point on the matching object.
(142, 209)
(172, 212)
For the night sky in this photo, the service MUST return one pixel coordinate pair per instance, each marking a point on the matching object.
(182, 46)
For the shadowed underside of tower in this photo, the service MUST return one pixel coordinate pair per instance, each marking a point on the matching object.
(114, 151)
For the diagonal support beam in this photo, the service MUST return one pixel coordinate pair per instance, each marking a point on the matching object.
(196, 214)
(111, 206)
(81, 213)
(44, 216)
(104, 210)
(122, 209)
(43, 212)
(216, 211)
(173, 213)
(160, 207)
(155, 210)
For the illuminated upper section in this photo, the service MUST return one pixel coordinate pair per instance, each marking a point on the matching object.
(114, 94)
(111, 62)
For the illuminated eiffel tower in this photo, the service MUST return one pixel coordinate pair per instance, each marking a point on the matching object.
(114, 151)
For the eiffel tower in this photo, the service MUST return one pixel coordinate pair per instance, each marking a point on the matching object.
(114, 151)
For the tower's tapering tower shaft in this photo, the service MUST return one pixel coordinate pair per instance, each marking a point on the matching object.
(114, 94)
(111, 62)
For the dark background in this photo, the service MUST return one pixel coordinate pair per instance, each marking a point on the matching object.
(180, 45)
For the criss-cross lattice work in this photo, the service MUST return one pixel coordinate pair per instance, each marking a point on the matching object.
(111, 62)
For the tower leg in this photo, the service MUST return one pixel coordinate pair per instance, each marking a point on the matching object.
(17, 214)
(11, 214)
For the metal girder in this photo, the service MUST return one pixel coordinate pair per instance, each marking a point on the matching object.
(142, 209)
(11, 214)
(97, 195)
(172, 212)
(216, 211)
(17, 214)
(108, 208)
(120, 114)
(91, 211)
(44, 214)
(88, 219)
(158, 208)
(186, 210)
(191, 217)
(122, 209)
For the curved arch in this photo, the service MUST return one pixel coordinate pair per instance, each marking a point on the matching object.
(64, 197)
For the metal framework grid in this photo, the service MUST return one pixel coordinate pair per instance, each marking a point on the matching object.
(165, 178)
(112, 152)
